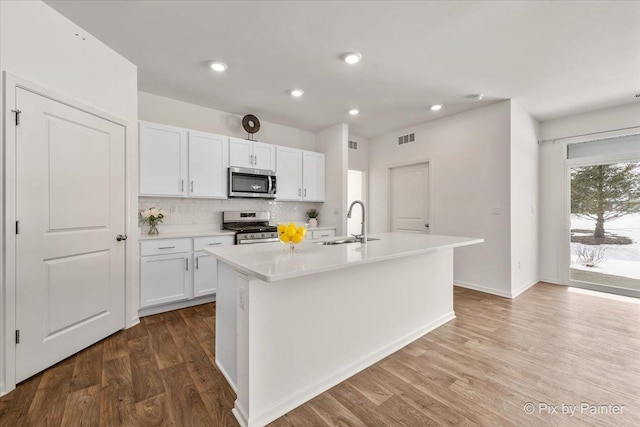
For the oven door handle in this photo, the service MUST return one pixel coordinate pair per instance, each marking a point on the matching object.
(254, 241)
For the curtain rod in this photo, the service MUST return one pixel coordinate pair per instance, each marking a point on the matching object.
(542, 141)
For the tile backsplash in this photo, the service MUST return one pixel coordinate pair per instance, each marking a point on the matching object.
(182, 211)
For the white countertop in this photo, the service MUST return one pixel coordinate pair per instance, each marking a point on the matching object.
(269, 261)
(185, 234)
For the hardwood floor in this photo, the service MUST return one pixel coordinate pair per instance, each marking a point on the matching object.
(549, 346)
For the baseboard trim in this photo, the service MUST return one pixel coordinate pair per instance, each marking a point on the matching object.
(133, 322)
(240, 414)
(484, 289)
(294, 400)
(226, 376)
(552, 280)
(524, 288)
(148, 311)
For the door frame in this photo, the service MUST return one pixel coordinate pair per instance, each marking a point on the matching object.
(391, 166)
(8, 218)
(565, 273)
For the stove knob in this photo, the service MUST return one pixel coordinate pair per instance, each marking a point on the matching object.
(263, 235)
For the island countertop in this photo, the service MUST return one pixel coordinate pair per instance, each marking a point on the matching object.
(270, 263)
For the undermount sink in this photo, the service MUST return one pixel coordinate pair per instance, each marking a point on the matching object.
(343, 241)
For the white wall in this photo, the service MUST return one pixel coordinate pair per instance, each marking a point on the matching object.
(552, 178)
(469, 155)
(159, 109)
(39, 45)
(333, 142)
(359, 159)
(524, 199)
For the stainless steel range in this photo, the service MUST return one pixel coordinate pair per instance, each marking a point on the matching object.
(250, 227)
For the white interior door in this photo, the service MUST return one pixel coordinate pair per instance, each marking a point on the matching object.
(409, 198)
(70, 276)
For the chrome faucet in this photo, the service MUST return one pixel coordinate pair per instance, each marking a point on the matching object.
(362, 238)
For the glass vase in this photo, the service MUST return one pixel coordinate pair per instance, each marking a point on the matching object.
(153, 228)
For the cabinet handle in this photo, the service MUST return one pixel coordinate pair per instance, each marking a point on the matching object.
(213, 244)
(305, 192)
(197, 263)
(182, 185)
(187, 263)
(250, 159)
(192, 186)
(299, 192)
(166, 247)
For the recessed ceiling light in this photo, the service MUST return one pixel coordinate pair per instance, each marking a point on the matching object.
(475, 97)
(218, 66)
(297, 93)
(436, 107)
(352, 57)
(354, 111)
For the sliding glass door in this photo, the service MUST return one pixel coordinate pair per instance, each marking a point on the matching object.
(604, 215)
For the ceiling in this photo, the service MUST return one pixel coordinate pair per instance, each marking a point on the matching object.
(553, 58)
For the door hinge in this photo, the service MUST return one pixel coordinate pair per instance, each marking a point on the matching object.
(17, 227)
(17, 113)
(17, 336)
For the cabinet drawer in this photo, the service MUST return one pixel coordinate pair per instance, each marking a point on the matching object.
(200, 243)
(319, 234)
(168, 246)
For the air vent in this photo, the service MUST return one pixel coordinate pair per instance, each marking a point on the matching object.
(405, 139)
(353, 145)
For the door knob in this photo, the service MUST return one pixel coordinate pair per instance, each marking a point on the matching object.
(121, 237)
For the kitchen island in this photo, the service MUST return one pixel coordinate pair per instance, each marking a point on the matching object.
(291, 326)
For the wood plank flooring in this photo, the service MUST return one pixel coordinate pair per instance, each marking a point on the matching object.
(548, 346)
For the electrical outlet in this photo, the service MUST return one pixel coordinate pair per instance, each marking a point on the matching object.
(241, 298)
(497, 210)
(172, 209)
(336, 212)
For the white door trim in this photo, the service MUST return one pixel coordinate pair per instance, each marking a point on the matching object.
(391, 166)
(8, 219)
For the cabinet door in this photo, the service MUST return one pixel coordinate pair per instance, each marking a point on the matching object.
(264, 156)
(313, 176)
(289, 173)
(164, 278)
(205, 274)
(163, 160)
(240, 153)
(208, 163)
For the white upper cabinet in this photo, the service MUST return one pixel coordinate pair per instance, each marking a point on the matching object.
(163, 160)
(300, 175)
(181, 162)
(240, 153)
(264, 156)
(313, 174)
(288, 173)
(251, 154)
(208, 163)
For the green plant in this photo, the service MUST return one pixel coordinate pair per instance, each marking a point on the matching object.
(312, 213)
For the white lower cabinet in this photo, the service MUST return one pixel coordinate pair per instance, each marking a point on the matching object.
(320, 234)
(205, 267)
(164, 278)
(175, 270)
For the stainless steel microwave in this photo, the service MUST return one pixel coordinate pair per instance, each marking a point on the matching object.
(246, 182)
